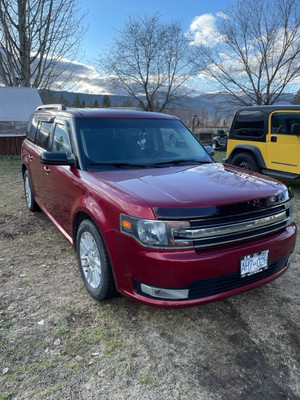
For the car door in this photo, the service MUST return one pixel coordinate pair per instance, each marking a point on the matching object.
(55, 192)
(283, 142)
(36, 171)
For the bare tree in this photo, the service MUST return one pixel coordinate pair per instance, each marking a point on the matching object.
(149, 60)
(255, 51)
(38, 41)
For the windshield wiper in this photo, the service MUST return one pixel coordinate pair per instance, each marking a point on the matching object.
(157, 164)
(180, 161)
(118, 164)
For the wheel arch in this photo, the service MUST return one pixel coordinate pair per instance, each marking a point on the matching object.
(79, 217)
(24, 168)
(250, 149)
(100, 224)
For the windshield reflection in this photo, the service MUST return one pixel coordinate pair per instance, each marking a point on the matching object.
(138, 143)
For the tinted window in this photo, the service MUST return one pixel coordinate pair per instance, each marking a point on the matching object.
(43, 134)
(249, 123)
(31, 128)
(137, 141)
(61, 140)
(286, 123)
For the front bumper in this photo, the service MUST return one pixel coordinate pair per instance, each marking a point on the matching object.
(206, 275)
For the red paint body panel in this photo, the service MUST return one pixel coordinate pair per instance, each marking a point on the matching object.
(63, 192)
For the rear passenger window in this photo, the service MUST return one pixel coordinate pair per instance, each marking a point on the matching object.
(249, 124)
(31, 128)
(43, 134)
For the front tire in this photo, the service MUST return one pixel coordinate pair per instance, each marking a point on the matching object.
(94, 262)
(247, 161)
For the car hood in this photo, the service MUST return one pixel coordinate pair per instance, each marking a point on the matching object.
(205, 185)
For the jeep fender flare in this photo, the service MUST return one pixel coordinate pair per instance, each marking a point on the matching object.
(243, 148)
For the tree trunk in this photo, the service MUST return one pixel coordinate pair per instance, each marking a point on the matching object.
(24, 78)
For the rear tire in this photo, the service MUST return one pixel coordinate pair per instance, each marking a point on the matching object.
(31, 203)
(245, 160)
(94, 262)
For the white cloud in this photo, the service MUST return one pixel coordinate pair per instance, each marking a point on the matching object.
(203, 30)
(221, 14)
(84, 78)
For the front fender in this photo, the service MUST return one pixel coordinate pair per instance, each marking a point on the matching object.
(88, 207)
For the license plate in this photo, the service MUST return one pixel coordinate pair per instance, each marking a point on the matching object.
(254, 263)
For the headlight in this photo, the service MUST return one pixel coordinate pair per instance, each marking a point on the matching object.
(153, 233)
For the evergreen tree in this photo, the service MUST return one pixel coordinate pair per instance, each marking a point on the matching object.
(106, 103)
(296, 99)
(77, 101)
(96, 104)
(127, 103)
(63, 100)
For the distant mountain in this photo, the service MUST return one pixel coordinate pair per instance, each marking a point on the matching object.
(50, 96)
(223, 103)
(212, 103)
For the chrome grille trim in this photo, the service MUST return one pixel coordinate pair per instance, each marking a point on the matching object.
(215, 232)
(229, 229)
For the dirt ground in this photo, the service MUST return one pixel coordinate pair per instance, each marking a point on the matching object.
(58, 343)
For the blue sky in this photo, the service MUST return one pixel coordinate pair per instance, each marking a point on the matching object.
(106, 17)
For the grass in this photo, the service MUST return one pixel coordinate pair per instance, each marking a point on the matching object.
(6, 396)
(119, 349)
(219, 155)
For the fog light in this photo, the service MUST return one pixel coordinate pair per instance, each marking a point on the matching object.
(161, 293)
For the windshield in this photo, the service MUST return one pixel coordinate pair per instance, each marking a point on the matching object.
(137, 143)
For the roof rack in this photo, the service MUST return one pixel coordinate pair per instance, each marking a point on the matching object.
(51, 107)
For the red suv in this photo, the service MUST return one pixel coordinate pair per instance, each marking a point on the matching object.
(149, 212)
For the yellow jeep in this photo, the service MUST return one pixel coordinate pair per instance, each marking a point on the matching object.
(266, 139)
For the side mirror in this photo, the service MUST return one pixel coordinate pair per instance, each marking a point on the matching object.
(210, 150)
(56, 158)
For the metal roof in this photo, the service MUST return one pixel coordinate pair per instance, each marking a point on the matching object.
(59, 110)
(17, 103)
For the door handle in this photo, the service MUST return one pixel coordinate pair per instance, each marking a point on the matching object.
(30, 157)
(273, 139)
(47, 169)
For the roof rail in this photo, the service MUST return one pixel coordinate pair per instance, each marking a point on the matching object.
(51, 107)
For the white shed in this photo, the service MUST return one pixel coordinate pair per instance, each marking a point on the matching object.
(16, 105)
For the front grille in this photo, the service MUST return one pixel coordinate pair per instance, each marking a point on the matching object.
(224, 229)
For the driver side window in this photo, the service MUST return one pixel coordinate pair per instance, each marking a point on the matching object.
(61, 141)
(287, 123)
